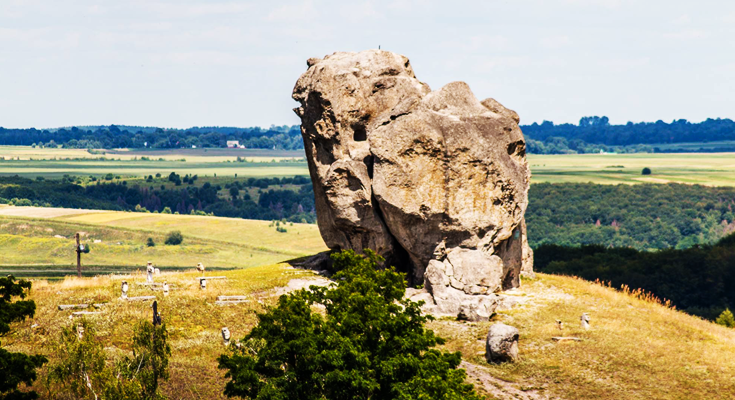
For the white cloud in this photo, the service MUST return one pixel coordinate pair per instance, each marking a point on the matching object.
(687, 34)
(682, 20)
(300, 11)
(555, 42)
(624, 64)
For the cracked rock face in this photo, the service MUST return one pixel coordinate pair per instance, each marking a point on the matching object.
(436, 182)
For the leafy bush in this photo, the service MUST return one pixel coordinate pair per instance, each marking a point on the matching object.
(16, 368)
(726, 319)
(174, 238)
(150, 242)
(166, 210)
(646, 171)
(81, 367)
(369, 344)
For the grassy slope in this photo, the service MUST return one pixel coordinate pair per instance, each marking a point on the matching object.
(26, 242)
(635, 350)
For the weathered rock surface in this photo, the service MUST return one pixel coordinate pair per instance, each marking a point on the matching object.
(436, 182)
(501, 344)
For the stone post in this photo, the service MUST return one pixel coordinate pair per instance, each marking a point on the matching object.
(124, 288)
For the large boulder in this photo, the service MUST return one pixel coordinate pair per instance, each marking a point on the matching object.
(501, 344)
(423, 178)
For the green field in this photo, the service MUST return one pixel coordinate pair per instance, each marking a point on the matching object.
(31, 162)
(716, 169)
(39, 241)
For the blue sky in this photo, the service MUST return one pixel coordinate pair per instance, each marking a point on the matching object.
(234, 63)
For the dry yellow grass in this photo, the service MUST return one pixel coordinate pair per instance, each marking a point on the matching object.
(193, 320)
(636, 349)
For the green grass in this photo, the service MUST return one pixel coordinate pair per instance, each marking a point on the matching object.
(716, 169)
(27, 242)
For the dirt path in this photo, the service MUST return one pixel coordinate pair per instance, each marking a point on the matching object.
(499, 388)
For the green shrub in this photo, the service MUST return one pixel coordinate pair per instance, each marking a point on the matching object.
(81, 369)
(646, 171)
(726, 319)
(166, 210)
(150, 242)
(370, 344)
(16, 368)
(174, 238)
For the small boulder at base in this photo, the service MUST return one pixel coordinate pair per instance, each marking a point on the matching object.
(501, 344)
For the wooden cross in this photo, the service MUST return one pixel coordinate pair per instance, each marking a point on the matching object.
(79, 256)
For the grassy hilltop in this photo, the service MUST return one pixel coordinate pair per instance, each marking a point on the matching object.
(39, 242)
(636, 349)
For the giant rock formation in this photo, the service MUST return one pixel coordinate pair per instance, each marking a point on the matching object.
(434, 181)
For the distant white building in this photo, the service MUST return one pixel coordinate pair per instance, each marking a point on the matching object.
(233, 144)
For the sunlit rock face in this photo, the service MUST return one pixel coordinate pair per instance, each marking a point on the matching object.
(434, 181)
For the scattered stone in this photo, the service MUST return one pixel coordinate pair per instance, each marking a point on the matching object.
(165, 288)
(501, 344)
(124, 288)
(228, 302)
(585, 321)
(203, 283)
(97, 241)
(223, 298)
(566, 338)
(82, 313)
(226, 336)
(505, 303)
(424, 178)
(141, 298)
(63, 307)
(156, 271)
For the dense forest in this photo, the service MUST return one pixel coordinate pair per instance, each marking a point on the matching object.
(699, 280)
(644, 216)
(591, 135)
(293, 205)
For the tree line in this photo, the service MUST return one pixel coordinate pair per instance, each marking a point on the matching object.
(598, 131)
(271, 204)
(109, 137)
(590, 135)
(699, 280)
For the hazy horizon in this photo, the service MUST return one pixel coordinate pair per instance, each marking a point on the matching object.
(234, 63)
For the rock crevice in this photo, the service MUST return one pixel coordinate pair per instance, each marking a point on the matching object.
(433, 181)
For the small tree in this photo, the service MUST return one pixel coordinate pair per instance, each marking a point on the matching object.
(81, 369)
(166, 210)
(149, 363)
(726, 319)
(16, 368)
(646, 171)
(150, 242)
(371, 344)
(174, 238)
